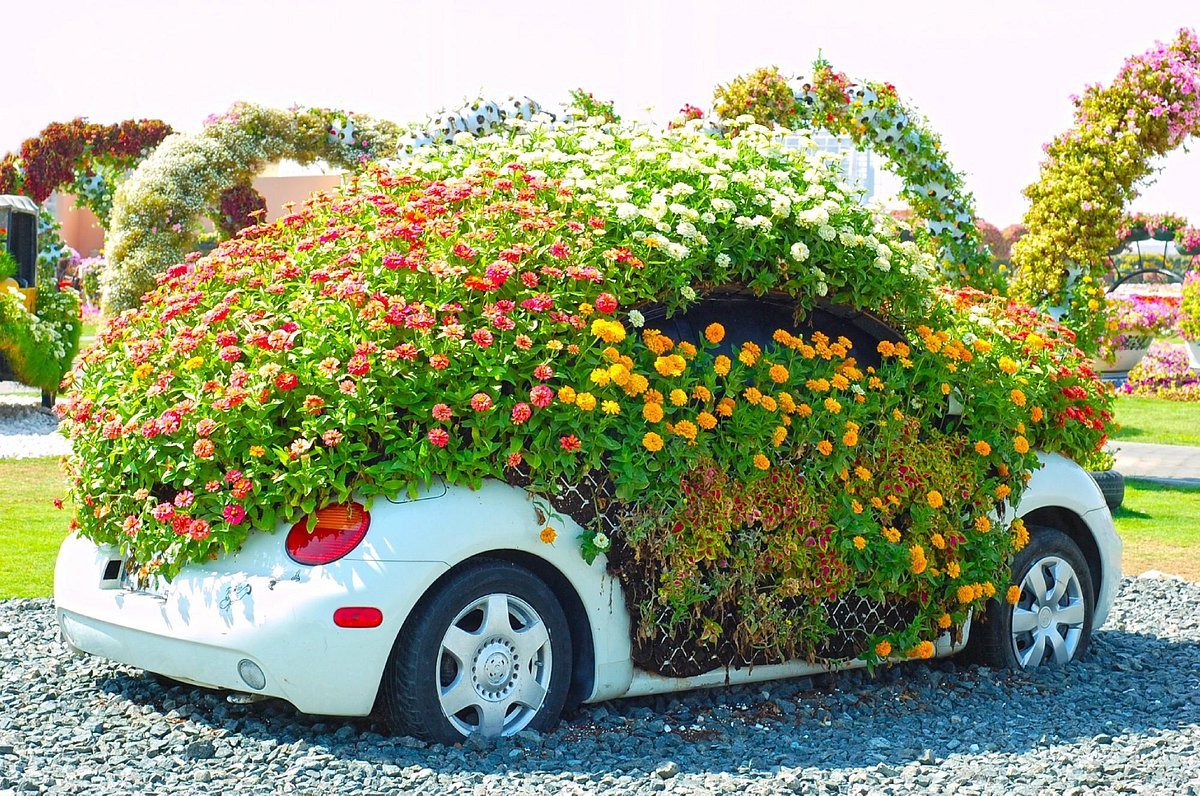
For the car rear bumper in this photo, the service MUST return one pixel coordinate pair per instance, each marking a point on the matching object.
(207, 622)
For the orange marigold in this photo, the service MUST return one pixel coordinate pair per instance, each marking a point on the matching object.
(982, 448)
(706, 421)
(917, 560)
(678, 397)
(1013, 595)
(883, 649)
(934, 498)
(686, 429)
(944, 621)
(860, 542)
(1021, 445)
(825, 447)
(721, 365)
(652, 442)
(779, 374)
(923, 650)
(652, 412)
(761, 462)
(714, 333)
(548, 535)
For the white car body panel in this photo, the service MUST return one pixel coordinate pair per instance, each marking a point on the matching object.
(261, 606)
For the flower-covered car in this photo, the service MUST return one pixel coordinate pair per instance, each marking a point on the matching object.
(561, 415)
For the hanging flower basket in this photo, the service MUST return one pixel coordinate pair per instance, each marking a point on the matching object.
(1190, 251)
(1164, 235)
(1137, 233)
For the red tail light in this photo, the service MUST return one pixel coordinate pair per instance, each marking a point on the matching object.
(336, 530)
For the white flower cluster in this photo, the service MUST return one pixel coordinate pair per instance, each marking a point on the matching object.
(692, 196)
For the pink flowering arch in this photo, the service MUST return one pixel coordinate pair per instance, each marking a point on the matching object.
(1091, 173)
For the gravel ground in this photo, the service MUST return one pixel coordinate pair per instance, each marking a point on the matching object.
(26, 429)
(1123, 720)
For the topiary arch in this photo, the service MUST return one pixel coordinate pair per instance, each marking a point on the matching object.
(874, 117)
(1091, 173)
(155, 212)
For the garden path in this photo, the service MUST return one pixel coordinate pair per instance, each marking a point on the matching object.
(1177, 465)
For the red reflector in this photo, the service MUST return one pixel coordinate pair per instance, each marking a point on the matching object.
(336, 530)
(358, 617)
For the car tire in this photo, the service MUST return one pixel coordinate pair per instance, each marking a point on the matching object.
(488, 652)
(1112, 486)
(1052, 620)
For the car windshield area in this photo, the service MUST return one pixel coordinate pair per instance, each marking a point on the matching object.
(750, 318)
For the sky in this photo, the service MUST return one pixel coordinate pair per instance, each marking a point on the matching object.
(994, 79)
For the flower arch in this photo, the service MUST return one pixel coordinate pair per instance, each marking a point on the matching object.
(1091, 172)
(80, 158)
(155, 212)
(873, 116)
(208, 174)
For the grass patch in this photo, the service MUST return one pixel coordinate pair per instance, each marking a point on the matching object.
(30, 527)
(1158, 525)
(1156, 420)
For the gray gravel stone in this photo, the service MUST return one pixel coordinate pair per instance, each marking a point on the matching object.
(1124, 720)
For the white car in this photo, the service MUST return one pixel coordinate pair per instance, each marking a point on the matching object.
(448, 612)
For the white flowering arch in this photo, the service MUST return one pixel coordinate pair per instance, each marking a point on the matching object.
(875, 118)
(155, 211)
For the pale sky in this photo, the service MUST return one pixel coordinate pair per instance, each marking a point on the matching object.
(993, 78)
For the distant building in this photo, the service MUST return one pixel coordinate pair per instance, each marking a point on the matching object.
(856, 164)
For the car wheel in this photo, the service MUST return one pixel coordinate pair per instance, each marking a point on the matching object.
(1051, 622)
(488, 652)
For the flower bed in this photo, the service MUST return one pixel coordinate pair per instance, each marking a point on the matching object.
(480, 314)
(1166, 372)
(1135, 319)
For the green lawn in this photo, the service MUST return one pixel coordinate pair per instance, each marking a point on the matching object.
(1159, 528)
(30, 527)
(1155, 420)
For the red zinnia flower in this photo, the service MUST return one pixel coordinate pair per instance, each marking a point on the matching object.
(483, 338)
(287, 381)
(521, 413)
(606, 303)
(570, 443)
(442, 413)
(439, 437)
(481, 402)
(234, 514)
(204, 448)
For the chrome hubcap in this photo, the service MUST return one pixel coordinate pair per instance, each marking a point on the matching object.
(1047, 621)
(494, 666)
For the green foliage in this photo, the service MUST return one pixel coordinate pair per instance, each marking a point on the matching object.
(41, 345)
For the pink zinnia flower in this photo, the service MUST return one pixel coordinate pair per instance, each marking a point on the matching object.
(439, 437)
(332, 438)
(184, 499)
(206, 427)
(442, 413)
(234, 514)
(481, 402)
(606, 303)
(541, 396)
(163, 512)
(520, 413)
(483, 338)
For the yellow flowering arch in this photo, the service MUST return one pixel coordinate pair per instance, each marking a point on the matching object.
(1091, 173)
